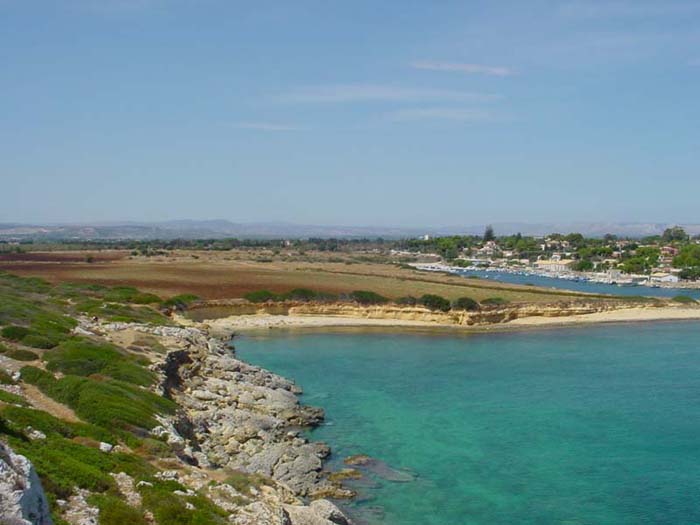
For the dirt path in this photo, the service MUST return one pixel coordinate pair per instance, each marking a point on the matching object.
(42, 402)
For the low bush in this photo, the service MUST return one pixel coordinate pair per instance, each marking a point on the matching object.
(83, 357)
(435, 302)
(39, 341)
(19, 354)
(261, 296)
(684, 299)
(22, 418)
(494, 301)
(364, 297)
(114, 511)
(7, 397)
(407, 300)
(300, 294)
(181, 302)
(244, 482)
(153, 448)
(171, 509)
(107, 403)
(466, 303)
(6, 379)
(15, 333)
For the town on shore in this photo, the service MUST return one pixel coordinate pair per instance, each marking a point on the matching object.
(668, 260)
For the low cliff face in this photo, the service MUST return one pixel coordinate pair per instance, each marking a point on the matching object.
(22, 499)
(483, 317)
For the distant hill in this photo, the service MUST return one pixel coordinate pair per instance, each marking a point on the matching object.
(199, 229)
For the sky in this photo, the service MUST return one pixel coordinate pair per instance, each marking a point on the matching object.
(393, 113)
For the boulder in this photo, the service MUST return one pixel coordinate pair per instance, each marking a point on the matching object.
(22, 498)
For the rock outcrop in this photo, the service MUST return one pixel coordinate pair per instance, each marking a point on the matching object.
(22, 499)
(241, 417)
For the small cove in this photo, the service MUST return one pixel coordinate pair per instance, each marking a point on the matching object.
(575, 426)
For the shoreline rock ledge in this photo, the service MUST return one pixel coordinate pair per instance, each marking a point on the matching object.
(241, 417)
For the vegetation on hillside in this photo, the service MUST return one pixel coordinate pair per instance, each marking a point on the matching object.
(107, 388)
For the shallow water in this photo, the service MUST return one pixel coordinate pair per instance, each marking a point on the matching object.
(570, 426)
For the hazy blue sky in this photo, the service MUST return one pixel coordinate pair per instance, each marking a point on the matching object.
(358, 112)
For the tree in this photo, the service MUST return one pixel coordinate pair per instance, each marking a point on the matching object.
(676, 233)
(582, 265)
(489, 235)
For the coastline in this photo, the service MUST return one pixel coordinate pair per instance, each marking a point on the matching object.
(257, 323)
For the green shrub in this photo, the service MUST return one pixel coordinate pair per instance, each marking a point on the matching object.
(7, 397)
(114, 511)
(83, 357)
(22, 418)
(466, 303)
(494, 301)
(14, 333)
(300, 294)
(181, 301)
(244, 482)
(261, 296)
(684, 299)
(153, 448)
(435, 302)
(364, 297)
(6, 379)
(170, 508)
(39, 341)
(19, 354)
(107, 403)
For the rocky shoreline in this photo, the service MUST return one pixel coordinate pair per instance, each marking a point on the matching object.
(238, 416)
(232, 417)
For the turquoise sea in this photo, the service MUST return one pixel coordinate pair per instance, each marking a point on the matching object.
(570, 426)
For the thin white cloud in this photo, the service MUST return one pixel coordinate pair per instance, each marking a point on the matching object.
(267, 126)
(627, 9)
(118, 6)
(378, 92)
(457, 114)
(470, 69)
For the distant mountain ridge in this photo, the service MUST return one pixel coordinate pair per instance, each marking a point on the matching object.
(218, 228)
